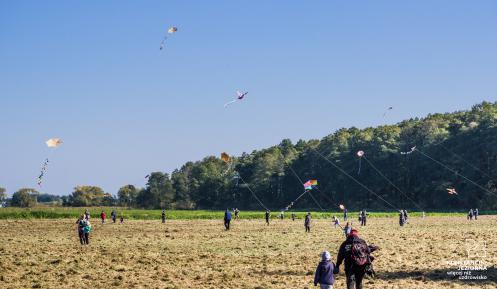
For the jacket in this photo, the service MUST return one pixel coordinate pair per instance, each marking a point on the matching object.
(324, 273)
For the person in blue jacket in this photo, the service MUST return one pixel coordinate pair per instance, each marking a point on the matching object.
(227, 219)
(324, 272)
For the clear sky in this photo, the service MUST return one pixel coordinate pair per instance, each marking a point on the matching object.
(91, 73)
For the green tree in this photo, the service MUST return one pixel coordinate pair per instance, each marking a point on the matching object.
(127, 195)
(25, 197)
(3, 194)
(83, 196)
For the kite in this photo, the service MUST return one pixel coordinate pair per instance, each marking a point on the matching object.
(360, 154)
(388, 109)
(147, 176)
(51, 143)
(342, 207)
(171, 30)
(409, 152)
(451, 191)
(226, 158)
(310, 184)
(239, 97)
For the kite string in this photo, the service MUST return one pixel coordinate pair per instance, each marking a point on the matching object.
(315, 201)
(465, 161)
(455, 172)
(354, 179)
(391, 183)
(255, 196)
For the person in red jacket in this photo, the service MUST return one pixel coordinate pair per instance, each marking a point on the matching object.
(103, 216)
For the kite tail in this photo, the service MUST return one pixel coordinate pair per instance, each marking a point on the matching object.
(359, 171)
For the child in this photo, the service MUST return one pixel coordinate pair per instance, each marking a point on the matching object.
(336, 221)
(103, 216)
(347, 229)
(324, 272)
(122, 220)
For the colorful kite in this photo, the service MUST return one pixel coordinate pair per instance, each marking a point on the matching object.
(171, 30)
(225, 158)
(239, 97)
(311, 184)
(342, 207)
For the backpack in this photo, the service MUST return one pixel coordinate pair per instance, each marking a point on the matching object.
(360, 252)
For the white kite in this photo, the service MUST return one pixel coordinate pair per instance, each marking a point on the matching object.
(51, 143)
(239, 97)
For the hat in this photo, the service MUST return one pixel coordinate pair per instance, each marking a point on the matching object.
(325, 256)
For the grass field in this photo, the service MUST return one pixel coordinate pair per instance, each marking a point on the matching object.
(42, 212)
(200, 254)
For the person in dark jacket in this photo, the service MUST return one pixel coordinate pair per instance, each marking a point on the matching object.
(267, 215)
(402, 219)
(476, 213)
(81, 224)
(163, 216)
(307, 223)
(470, 214)
(363, 217)
(227, 219)
(324, 272)
(113, 215)
(345, 214)
(354, 272)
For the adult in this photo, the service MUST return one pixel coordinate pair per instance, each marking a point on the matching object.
(406, 217)
(81, 222)
(476, 213)
(163, 216)
(293, 216)
(237, 213)
(267, 215)
(345, 214)
(86, 231)
(307, 222)
(402, 219)
(363, 217)
(87, 214)
(356, 254)
(470, 214)
(227, 219)
(113, 215)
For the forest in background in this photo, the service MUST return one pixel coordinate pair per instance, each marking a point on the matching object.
(453, 150)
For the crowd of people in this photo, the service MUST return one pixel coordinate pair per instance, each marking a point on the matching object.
(354, 252)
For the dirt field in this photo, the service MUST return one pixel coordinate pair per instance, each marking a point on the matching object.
(200, 254)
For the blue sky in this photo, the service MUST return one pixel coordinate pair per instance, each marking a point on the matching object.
(91, 73)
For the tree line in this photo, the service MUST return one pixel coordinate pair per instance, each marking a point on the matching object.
(455, 150)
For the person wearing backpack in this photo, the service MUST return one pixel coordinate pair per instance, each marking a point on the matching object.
(356, 254)
(324, 272)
